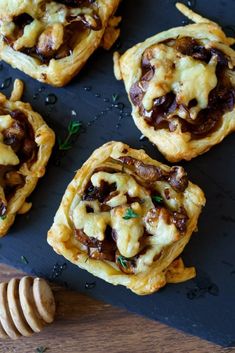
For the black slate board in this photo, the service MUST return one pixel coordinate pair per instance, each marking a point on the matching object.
(204, 306)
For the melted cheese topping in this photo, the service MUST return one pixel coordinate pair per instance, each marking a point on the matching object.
(12, 8)
(7, 155)
(187, 77)
(30, 35)
(93, 224)
(5, 122)
(129, 231)
(7, 28)
(54, 13)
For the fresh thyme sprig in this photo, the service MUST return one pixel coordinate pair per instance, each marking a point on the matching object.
(73, 128)
(130, 214)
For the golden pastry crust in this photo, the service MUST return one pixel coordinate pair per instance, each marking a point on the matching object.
(26, 143)
(126, 218)
(181, 84)
(51, 41)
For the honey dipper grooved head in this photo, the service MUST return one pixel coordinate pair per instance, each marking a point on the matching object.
(5, 316)
(2, 332)
(26, 306)
(44, 299)
(15, 308)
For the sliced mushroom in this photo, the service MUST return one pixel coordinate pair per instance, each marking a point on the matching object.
(180, 219)
(13, 178)
(50, 40)
(99, 250)
(85, 240)
(28, 147)
(176, 177)
(147, 172)
(14, 135)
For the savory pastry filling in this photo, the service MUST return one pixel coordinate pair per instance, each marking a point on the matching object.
(126, 218)
(181, 86)
(46, 29)
(129, 211)
(17, 147)
(185, 83)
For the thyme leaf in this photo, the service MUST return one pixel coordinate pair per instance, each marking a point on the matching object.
(130, 214)
(115, 97)
(122, 261)
(157, 199)
(3, 217)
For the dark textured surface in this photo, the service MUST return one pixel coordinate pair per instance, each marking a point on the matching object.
(204, 306)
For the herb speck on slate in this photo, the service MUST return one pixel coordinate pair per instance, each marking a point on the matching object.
(115, 97)
(73, 128)
(24, 260)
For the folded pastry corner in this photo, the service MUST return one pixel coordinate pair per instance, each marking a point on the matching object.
(52, 40)
(25, 146)
(126, 218)
(181, 84)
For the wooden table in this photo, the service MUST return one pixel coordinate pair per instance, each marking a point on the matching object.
(85, 325)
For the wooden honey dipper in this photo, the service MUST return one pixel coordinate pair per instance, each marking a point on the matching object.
(26, 306)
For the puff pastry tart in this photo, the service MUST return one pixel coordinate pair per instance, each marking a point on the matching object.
(25, 147)
(181, 84)
(126, 218)
(52, 40)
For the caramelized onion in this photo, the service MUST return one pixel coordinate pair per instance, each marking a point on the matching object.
(176, 177)
(221, 99)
